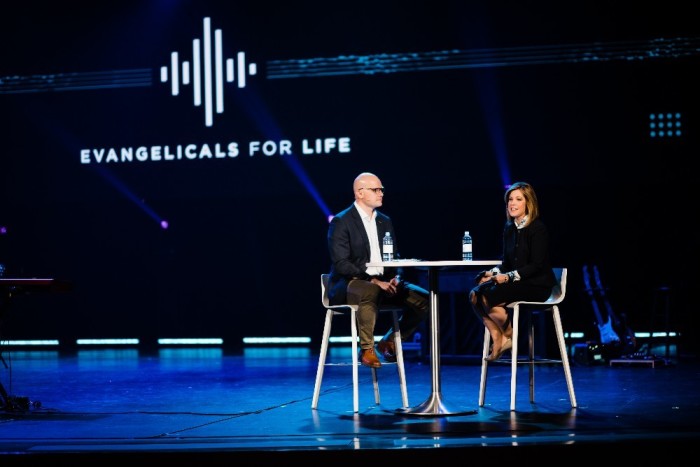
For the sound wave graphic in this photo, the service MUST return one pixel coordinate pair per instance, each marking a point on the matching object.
(190, 73)
(212, 84)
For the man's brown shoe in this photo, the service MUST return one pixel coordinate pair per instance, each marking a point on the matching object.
(369, 358)
(387, 349)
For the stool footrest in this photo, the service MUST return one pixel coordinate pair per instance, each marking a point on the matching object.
(522, 361)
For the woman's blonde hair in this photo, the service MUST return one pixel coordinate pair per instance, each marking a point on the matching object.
(532, 209)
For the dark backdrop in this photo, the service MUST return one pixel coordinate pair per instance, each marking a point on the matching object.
(245, 242)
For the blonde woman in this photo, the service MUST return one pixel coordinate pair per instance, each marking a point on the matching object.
(525, 273)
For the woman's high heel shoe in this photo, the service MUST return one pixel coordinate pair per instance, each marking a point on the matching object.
(495, 356)
(507, 345)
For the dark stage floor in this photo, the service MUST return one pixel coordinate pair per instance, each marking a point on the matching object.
(186, 404)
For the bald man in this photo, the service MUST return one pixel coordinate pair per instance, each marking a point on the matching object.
(354, 239)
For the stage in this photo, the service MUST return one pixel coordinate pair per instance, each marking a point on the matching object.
(202, 405)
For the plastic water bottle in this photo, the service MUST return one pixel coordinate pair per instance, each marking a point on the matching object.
(467, 247)
(387, 247)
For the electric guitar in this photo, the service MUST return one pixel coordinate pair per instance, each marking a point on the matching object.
(605, 327)
(630, 341)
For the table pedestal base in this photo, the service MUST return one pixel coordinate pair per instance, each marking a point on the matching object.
(434, 406)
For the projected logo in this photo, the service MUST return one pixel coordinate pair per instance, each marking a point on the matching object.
(205, 73)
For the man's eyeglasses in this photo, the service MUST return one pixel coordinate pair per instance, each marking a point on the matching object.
(375, 190)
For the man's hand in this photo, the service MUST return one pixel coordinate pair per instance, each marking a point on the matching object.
(389, 288)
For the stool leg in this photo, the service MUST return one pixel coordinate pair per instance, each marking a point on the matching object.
(322, 358)
(531, 353)
(564, 355)
(514, 356)
(667, 319)
(375, 384)
(355, 363)
(399, 360)
(484, 366)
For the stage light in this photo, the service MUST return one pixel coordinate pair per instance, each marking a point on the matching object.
(107, 342)
(32, 343)
(665, 125)
(192, 341)
(276, 340)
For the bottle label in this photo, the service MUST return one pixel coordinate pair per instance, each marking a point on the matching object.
(466, 247)
(388, 249)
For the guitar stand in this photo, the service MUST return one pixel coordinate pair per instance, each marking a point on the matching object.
(4, 398)
(614, 348)
(660, 308)
(15, 403)
(8, 288)
(7, 403)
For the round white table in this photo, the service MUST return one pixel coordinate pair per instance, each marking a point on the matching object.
(435, 405)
